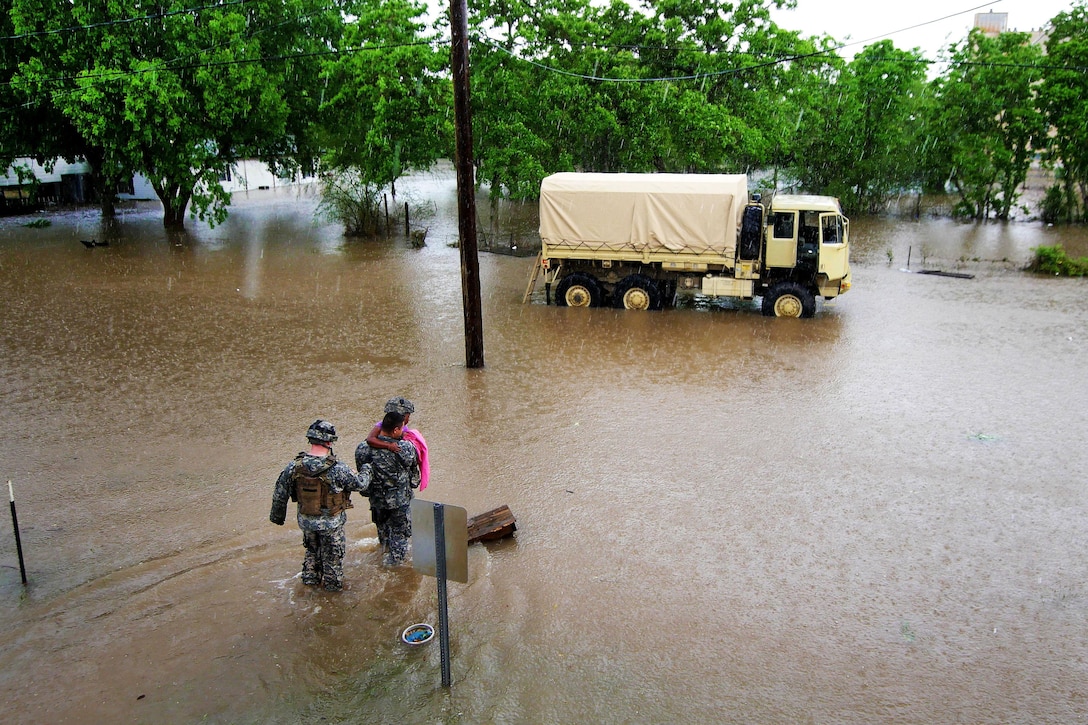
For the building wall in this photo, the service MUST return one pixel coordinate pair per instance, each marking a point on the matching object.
(67, 179)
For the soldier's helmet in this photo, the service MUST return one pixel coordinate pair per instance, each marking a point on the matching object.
(400, 405)
(321, 431)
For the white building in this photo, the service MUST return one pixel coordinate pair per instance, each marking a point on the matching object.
(70, 182)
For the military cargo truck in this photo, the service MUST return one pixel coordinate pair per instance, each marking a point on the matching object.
(637, 240)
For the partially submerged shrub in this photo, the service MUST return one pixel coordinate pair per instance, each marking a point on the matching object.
(1054, 208)
(1054, 260)
(347, 199)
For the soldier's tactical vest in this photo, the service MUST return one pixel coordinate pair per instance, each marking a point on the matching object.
(313, 494)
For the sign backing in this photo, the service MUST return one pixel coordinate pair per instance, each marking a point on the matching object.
(424, 552)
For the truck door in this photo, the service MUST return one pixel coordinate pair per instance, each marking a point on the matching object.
(834, 246)
(782, 239)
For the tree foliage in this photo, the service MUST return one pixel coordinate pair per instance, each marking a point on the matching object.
(860, 142)
(991, 124)
(1064, 98)
(174, 94)
(387, 101)
(361, 90)
(671, 85)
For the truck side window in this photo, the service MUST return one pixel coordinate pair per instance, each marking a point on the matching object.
(783, 224)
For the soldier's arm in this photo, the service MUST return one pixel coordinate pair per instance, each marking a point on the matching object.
(363, 478)
(280, 494)
(374, 441)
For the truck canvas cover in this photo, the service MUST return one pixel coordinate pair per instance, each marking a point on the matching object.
(642, 213)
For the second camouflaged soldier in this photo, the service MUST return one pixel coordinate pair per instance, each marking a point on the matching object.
(393, 476)
(322, 487)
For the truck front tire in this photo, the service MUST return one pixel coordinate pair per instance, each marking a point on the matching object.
(637, 292)
(578, 290)
(789, 299)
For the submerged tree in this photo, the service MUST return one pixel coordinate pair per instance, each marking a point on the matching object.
(1064, 98)
(987, 112)
(176, 94)
(386, 109)
(871, 135)
(669, 85)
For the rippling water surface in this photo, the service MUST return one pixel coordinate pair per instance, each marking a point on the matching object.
(875, 515)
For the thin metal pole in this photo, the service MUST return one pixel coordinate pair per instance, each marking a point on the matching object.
(440, 575)
(15, 524)
(466, 186)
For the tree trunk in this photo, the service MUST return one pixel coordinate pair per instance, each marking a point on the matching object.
(104, 184)
(174, 202)
(173, 218)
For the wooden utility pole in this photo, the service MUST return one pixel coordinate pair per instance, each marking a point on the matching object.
(466, 187)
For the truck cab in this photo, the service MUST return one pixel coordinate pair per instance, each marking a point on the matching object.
(806, 247)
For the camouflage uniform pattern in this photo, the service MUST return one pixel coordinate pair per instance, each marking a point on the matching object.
(394, 475)
(322, 536)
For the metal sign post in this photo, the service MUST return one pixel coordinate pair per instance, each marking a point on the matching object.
(440, 549)
(440, 576)
(15, 524)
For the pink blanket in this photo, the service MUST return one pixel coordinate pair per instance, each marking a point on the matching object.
(412, 435)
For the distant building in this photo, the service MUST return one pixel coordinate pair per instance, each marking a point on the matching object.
(992, 24)
(70, 183)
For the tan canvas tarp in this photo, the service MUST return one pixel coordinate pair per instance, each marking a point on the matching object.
(639, 213)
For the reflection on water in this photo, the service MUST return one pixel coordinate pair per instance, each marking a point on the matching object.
(873, 515)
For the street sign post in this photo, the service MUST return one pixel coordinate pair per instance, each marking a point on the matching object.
(440, 549)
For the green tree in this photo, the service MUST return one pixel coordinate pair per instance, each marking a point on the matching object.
(989, 117)
(667, 86)
(32, 126)
(1064, 99)
(862, 143)
(387, 107)
(177, 94)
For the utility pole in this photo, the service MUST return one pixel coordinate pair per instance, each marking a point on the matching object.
(466, 187)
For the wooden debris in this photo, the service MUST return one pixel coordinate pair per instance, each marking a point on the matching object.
(939, 273)
(491, 525)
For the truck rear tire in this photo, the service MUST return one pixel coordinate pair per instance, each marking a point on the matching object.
(789, 299)
(637, 292)
(578, 290)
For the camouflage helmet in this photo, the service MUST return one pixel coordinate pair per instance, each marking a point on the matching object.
(321, 431)
(400, 405)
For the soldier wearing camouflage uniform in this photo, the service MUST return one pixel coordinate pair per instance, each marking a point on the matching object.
(322, 487)
(394, 475)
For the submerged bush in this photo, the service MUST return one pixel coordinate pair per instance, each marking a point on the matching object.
(365, 209)
(1054, 208)
(1054, 260)
(348, 199)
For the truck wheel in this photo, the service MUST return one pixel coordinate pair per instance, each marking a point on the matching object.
(637, 292)
(789, 299)
(578, 290)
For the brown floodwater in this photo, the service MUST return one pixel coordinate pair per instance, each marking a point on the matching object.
(876, 515)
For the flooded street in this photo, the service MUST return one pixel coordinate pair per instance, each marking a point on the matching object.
(875, 515)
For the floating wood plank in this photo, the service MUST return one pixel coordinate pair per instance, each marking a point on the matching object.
(491, 525)
(939, 273)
